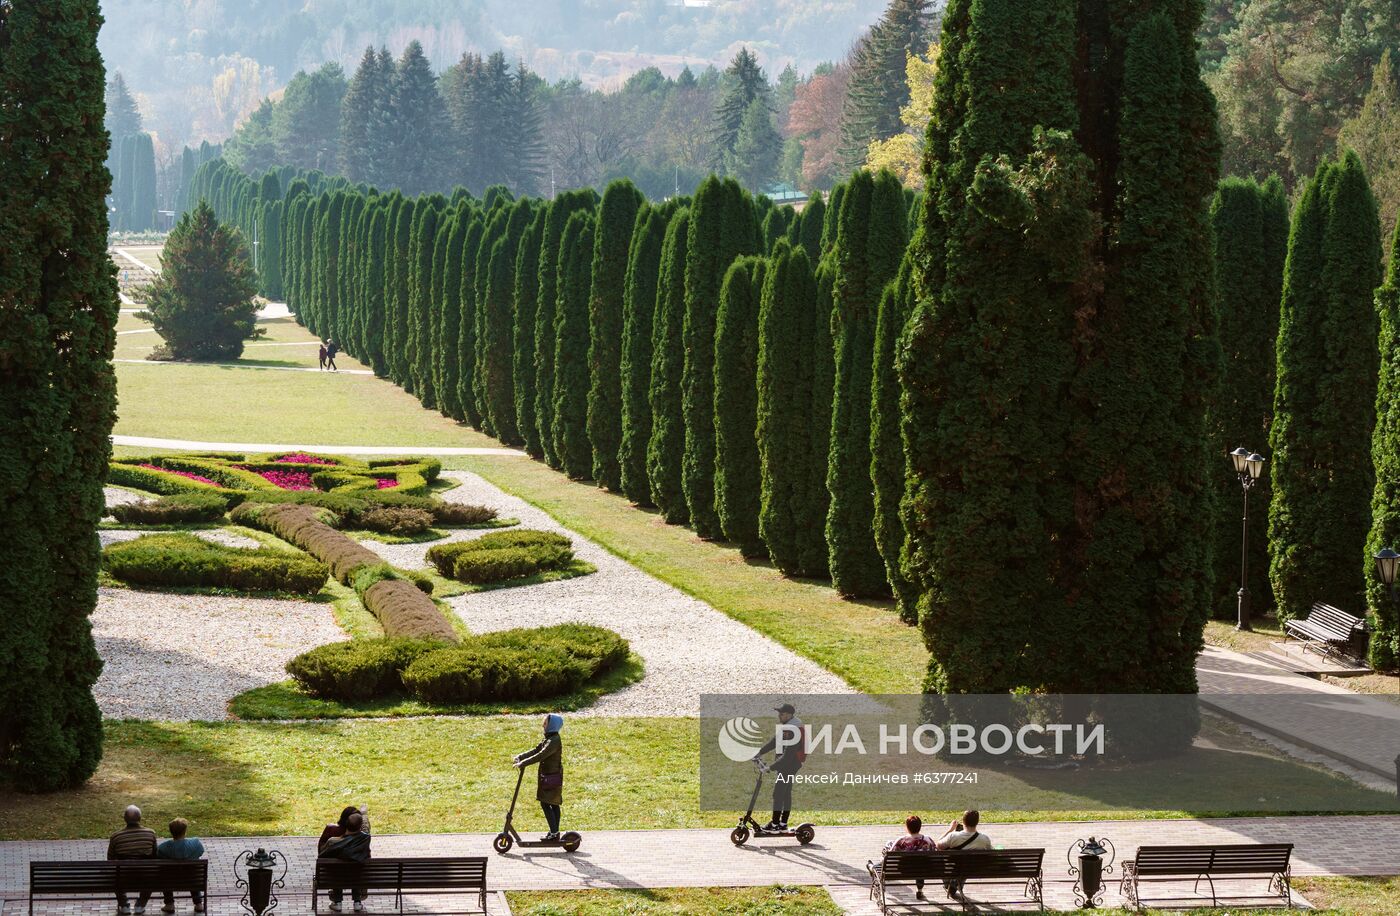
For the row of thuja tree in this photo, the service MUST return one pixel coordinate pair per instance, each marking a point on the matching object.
(711, 355)
(1002, 402)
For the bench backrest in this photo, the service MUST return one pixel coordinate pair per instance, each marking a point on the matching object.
(955, 864)
(106, 877)
(1334, 620)
(1243, 858)
(426, 873)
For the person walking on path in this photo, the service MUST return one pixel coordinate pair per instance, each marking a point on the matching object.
(332, 348)
(133, 841)
(321, 354)
(353, 846)
(184, 848)
(549, 784)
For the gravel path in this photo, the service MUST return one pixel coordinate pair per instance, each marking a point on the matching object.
(215, 535)
(116, 496)
(689, 648)
(178, 657)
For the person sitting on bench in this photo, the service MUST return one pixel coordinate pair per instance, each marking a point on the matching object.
(352, 847)
(912, 841)
(184, 848)
(132, 842)
(963, 834)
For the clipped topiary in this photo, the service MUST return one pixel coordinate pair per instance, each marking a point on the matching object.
(184, 560)
(359, 669)
(178, 509)
(502, 556)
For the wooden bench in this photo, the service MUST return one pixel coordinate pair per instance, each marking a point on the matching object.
(1330, 629)
(1177, 863)
(446, 875)
(994, 866)
(107, 878)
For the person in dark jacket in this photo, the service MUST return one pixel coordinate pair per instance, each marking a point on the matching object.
(549, 784)
(332, 348)
(786, 764)
(352, 847)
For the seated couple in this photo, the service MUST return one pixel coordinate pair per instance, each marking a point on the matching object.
(961, 834)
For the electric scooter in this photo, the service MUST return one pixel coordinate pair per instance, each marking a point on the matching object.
(509, 836)
(805, 833)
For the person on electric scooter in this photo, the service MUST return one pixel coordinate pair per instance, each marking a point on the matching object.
(549, 785)
(786, 764)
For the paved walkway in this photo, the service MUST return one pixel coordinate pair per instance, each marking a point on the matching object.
(409, 450)
(1359, 730)
(703, 858)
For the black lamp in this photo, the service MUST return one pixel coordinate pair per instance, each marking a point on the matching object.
(257, 879)
(1249, 467)
(1089, 875)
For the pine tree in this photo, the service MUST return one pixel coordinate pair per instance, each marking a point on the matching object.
(571, 445)
(888, 469)
(745, 83)
(305, 127)
(418, 125)
(616, 217)
(1063, 262)
(877, 88)
(638, 311)
(666, 448)
(1250, 232)
(757, 148)
(1325, 397)
(1384, 648)
(123, 119)
(869, 242)
(722, 228)
(526, 295)
(366, 119)
(58, 388)
(737, 474)
(787, 326)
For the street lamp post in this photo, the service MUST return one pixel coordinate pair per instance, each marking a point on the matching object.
(1248, 466)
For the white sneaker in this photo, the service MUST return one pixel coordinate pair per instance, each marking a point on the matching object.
(359, 907)
(335, 908)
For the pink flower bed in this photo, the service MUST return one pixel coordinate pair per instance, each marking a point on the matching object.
(385, 483)
(287, 480)
(303, 458)
(185, 474)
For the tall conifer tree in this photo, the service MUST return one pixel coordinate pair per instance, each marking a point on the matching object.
(638, 312)
(666, 450)
(1384, 647)
(571, 445)
(613, 240)
(526, 297)
(737, 474)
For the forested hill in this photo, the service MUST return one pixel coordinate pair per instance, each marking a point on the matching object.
(220, 53)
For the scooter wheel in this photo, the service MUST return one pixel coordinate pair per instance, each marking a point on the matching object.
(502, 843)
(570, 841)
(805, 833)
(739, 835)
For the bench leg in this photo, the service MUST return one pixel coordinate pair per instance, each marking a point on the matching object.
(1281, 884)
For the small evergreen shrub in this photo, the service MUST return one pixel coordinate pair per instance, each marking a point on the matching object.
(178, 509)
(459, 515)
(180, 560)
(474, 673)
(502, 556)
(360, 669)
(396, 520)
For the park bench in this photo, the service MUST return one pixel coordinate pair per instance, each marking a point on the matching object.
(106, 878)
(994, 866)
(1331, 630)
(1178, 863)
(420, 876)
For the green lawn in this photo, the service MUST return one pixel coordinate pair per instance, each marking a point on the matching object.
(453, 775)
(862, 641)
(776, 900)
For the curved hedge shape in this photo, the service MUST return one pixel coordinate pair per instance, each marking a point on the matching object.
(502, 556)
(178, 509)
(274, 473)
(184, 560)
(521, 664)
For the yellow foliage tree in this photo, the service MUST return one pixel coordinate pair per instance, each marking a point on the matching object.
(903, 153)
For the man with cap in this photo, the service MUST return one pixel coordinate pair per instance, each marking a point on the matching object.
(789, 760)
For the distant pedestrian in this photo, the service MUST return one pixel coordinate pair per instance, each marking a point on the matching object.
(321, 356)
(332, 348)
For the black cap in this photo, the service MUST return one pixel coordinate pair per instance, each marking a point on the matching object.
(786, 707)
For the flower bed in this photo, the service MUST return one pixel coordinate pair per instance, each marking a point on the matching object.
(385, 483)
(303, 458)
(284, 480)
(188, 475)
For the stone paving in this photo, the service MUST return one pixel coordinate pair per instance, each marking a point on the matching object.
(705, 857)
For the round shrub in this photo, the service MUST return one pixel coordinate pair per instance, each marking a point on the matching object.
(180, 509)
(184, 560)
(474, 673)
(460, 515)
(502, 556)
(360, 669)
(395, 520)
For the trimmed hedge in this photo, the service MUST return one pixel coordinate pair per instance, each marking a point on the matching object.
(306, 527)
(502, 556)
(179, 509)
(184, 560)
(397, 520)
(515, 665)
(155, 481)
(360, 669)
